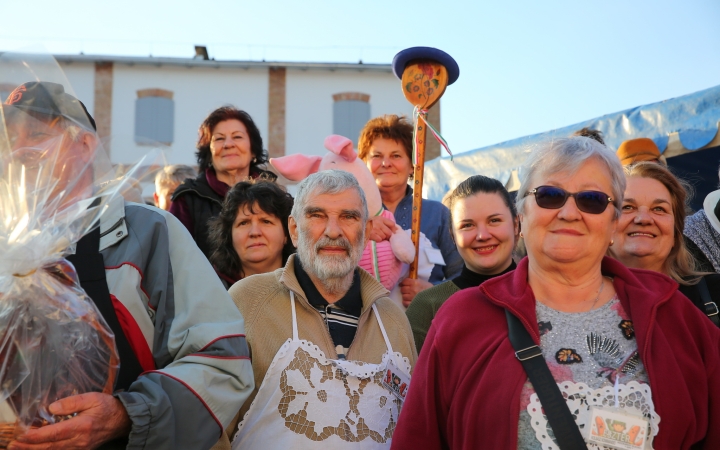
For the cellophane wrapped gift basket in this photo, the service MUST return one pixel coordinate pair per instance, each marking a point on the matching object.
(56, 181)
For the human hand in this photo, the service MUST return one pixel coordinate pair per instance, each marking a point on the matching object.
(100, 418)
(410, 288)
(382, 229)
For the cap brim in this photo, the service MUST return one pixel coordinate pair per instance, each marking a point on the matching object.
(403, 58)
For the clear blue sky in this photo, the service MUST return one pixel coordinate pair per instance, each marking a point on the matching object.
(526, 66)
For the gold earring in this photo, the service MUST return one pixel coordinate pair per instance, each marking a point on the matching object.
(521, 235)
(612, 241)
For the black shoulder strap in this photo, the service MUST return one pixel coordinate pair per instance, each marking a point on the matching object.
(711, 308)
(567, 434)
(90, 267)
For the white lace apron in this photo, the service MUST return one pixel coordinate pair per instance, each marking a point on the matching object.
(308, 401)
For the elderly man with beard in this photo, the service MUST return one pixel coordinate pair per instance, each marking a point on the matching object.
(323, 334)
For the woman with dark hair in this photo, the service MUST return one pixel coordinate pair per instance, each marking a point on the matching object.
(650, 233)
(229, 150)
(485, 229)
(250, 235)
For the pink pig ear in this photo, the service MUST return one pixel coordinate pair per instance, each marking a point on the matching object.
(341, 146)
(296, 167)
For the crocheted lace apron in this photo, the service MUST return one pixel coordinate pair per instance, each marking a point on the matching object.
(308, 401)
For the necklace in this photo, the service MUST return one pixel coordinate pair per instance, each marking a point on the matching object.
(602, 285)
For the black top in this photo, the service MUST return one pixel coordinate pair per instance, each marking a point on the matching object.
(340, 317)
(468, 278)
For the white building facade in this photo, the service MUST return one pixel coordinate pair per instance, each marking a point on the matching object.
(140, 100)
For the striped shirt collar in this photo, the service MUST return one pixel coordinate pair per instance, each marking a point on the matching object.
(351, 302)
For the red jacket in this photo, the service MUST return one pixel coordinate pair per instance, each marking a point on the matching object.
(465, 389)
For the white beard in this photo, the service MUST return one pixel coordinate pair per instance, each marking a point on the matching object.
(332, 271)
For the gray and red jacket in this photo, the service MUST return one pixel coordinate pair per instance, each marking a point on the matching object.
(183, 327)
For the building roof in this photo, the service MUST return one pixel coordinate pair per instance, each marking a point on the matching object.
(217, 64)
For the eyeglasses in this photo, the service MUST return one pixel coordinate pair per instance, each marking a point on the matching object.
(551, 197)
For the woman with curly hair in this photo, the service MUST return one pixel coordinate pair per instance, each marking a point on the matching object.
(250, 235)
(229, 150)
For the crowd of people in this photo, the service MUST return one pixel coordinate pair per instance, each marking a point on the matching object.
(243, 320)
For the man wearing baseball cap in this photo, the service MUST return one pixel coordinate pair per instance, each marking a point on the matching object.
(184, 363)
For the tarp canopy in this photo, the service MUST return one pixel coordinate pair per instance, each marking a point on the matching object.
(684, 123)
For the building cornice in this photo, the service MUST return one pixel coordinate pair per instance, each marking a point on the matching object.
(213, 64)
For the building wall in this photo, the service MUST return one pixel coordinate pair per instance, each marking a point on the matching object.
(198, 90)
(310, 103)
(196, 93)
(81, 77)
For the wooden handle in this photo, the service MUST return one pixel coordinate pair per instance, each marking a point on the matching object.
(423, 83)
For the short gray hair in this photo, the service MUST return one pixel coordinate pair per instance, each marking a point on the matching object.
(568, 155)
(173, 175)
(327, 182)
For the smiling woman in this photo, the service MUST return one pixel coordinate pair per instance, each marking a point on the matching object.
(602, 333)
(485, 229)
(229, 150)
(649, 234)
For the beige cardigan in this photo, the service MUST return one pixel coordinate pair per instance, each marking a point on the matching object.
(264, 301)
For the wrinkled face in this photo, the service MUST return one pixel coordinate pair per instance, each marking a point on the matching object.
(568, 235)
(330, 237)
(389, 163)
(258, 236)
(230, 146)
(484, 232)
(55, 160)
(645, 233)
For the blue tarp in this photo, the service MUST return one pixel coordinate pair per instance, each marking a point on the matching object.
(694, 117)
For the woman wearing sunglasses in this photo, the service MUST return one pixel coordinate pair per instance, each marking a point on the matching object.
(485, 228)
(650, 233)
(626, 358)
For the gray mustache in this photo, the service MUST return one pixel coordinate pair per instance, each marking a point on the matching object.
(338, 242)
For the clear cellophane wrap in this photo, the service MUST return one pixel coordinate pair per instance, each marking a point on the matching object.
(56, 182)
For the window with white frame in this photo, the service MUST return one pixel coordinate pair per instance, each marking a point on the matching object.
(154, 117)
(351, 111)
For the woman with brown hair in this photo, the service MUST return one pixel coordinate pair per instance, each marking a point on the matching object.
(385, 145)
(649, 234)
(229, 150)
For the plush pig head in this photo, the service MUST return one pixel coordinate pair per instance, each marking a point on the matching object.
(342, 156)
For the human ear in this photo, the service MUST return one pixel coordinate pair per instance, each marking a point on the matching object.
(292, 229)
(368, 231)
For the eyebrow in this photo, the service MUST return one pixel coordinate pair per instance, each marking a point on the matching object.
(314, 209)
(657, 200)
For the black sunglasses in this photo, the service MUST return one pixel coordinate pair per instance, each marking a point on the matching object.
(551, 197)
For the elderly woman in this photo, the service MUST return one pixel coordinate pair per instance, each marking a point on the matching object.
(485, 229)
(385, 145)
(649, 234)
(622, 341)
(229, 150)
(250, 235)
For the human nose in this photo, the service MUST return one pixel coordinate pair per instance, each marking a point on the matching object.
(643, 217)
(482, 233)
(569, 210)
(332, 228)
(255, 228)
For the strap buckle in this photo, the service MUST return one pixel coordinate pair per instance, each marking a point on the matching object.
(709, 309)
(528, 353)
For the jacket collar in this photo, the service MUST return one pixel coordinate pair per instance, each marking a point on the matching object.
(113, 227)
(647, 289)
(370, 289)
